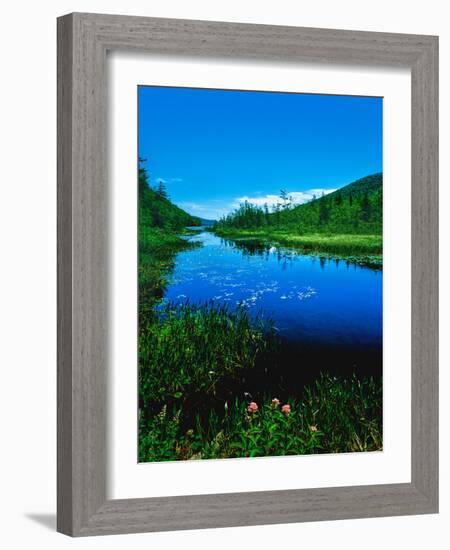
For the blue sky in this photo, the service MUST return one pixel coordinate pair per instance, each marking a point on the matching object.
(216, 148)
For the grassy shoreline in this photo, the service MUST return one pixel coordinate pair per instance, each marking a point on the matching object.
(192, 359)
(360, 249)
(157, 251)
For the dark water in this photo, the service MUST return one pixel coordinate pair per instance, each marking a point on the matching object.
(328, 313)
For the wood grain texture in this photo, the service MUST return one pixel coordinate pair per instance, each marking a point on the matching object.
(424, 276)
(83, 40)
(64, 252)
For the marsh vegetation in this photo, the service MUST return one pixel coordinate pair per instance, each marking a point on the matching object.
(239, 355)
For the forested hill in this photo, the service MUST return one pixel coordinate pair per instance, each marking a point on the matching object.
(354, 209)
(156, 210)
(368, 184)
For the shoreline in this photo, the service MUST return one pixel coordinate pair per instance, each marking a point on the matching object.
(364, 250)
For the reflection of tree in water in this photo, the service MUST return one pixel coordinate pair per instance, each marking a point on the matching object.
(255, 247)
(284, 256)
(262, 249)
(248, 248)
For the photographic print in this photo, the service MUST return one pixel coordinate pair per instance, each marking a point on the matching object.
(260, 273)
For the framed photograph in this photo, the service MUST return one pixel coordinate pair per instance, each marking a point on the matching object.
(247, 274)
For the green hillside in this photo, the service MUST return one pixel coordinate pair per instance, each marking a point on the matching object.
(160, 226)
(353, 209)
(157, 211)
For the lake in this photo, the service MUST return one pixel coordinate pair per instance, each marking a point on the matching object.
(327, 312)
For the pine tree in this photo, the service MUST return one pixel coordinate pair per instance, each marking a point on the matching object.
(276, 210)
(287, 200)
(161, 189)
(142, 174)
(365, 208)
(324, 211)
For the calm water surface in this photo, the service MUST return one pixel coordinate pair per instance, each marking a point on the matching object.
(312, 301)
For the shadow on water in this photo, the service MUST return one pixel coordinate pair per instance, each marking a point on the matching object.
(296, 365)
(293, 366)
(256, 247)
(264, 250)
(286, 372)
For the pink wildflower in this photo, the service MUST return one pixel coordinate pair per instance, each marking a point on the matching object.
(252, 407)
(275, 402)
(286, 409)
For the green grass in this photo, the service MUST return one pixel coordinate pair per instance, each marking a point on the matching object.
(187, 352)
(190, 357)
(365, 249)
(333, 415)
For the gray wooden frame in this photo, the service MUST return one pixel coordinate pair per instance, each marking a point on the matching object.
(83, 40)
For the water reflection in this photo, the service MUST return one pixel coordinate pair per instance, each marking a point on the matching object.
(311, 300)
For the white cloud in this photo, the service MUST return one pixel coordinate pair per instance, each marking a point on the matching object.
(214, 209)
(169, 180)
(298, 197)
